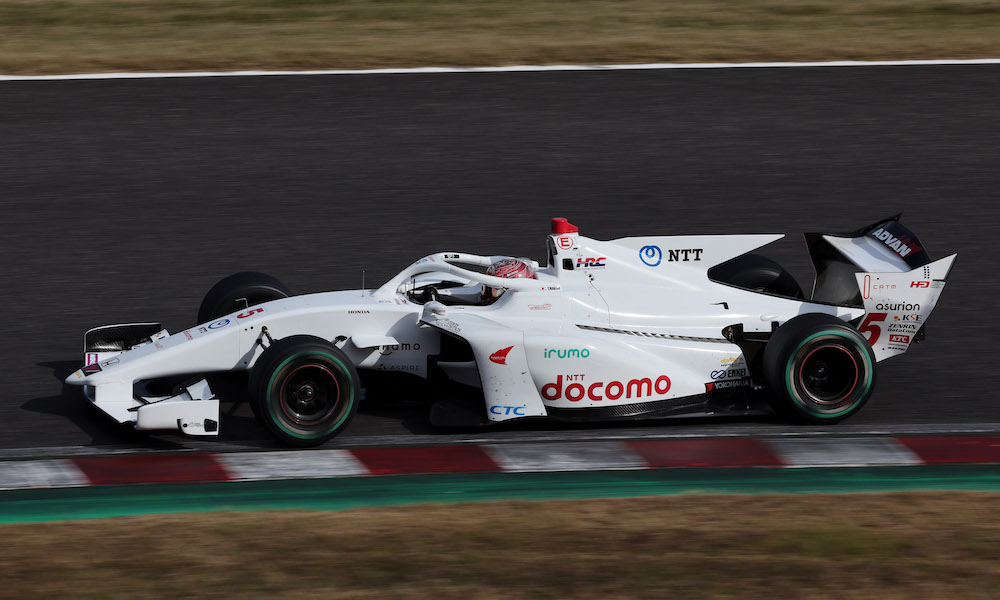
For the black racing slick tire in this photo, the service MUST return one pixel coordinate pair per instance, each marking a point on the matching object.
(239, 291)
(759, 274)
(819, 369)
(304, 390)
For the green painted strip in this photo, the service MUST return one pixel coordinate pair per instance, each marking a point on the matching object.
(37, 505)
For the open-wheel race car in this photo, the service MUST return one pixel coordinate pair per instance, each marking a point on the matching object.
(639, 327)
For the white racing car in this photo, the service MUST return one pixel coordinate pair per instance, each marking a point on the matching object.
(641, 327)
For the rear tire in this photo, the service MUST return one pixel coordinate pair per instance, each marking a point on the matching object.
(227, 296)
(304, 390)
(759, 274)
(819, 369)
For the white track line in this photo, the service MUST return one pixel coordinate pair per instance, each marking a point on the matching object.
(40, 474)
(858, 452)
(568, 456)
(291, 464)
(510, 69)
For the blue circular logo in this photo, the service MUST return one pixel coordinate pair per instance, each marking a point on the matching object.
(651, 255)
(219, 324)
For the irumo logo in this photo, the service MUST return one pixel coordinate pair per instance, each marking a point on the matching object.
(567, 353)
(612, 390)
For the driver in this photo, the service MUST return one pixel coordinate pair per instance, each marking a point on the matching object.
(508, 268)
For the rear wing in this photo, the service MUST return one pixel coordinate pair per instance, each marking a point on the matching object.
(885, 269)
(883, 247)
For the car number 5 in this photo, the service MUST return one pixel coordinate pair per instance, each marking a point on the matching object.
(869, 326)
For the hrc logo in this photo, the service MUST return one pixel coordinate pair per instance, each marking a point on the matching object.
(586, 263)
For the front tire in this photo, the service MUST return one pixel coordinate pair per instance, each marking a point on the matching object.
(304, 390)
(239, 291)
(819, 368)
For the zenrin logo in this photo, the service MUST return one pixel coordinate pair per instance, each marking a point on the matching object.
(500, 356)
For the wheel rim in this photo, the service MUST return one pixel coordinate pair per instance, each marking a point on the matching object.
(828, 375)
(309, 394)
(815, 392)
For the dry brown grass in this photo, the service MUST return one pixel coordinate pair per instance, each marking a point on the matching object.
(55, 36)
(914, 545)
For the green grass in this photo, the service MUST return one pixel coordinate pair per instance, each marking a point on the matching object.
(40, 36)
(845, 546)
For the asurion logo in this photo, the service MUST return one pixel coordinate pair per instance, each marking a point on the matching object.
(567, 353)
(500, 356)
(896, 306)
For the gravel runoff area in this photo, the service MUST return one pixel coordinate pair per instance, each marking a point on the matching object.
(398, 522)
(900, 545)
(74, 36)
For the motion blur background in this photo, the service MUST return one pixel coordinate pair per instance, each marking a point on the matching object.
(127, 199)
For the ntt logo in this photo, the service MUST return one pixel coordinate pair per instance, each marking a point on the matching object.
(613, 390)
(568, 353)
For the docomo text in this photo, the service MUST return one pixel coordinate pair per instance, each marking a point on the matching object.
(612, 390)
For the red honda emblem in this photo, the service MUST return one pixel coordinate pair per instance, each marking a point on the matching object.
(500, 356)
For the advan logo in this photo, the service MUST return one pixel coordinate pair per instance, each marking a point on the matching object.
(613, 390)
(900, 245)
(500, 356)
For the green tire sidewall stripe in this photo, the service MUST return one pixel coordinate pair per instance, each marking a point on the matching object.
(270, 387)
(790, 380)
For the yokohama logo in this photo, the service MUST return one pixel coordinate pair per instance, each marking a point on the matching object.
(500, 356)
(613, 390)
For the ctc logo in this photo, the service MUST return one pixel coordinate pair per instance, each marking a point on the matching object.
(651, 255)
(507, 410)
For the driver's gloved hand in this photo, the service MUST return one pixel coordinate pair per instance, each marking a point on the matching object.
(427, 295)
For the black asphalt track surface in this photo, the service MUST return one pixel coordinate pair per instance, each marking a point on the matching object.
(125, 200)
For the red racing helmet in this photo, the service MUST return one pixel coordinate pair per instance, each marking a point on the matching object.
(508, 268)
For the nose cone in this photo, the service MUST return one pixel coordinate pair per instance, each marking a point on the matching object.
(76, 378)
